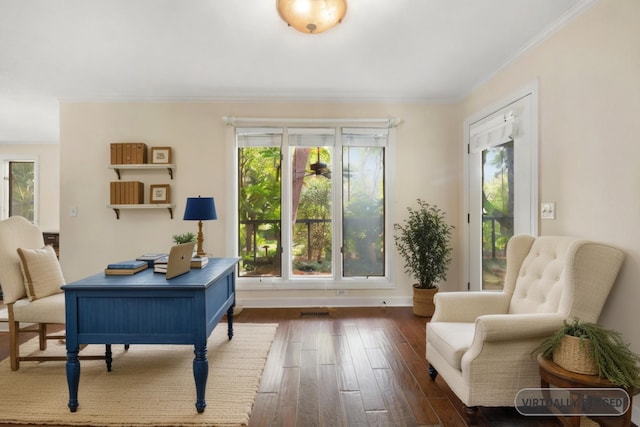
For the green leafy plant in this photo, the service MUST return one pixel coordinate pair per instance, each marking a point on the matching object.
(612, 356)
(423, 240)
(184, 238)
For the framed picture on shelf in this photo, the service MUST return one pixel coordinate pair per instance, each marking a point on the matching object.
(161, 155)
(160, 193)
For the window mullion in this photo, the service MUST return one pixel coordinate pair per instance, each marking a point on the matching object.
(286, 208)
(337, 207)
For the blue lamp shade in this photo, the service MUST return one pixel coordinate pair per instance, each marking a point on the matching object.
(200, 209)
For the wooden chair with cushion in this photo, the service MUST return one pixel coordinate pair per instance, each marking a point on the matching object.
(30, 277)
(481, 342)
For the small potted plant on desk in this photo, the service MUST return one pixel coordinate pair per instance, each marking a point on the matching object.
(423, 240)
(590, 349)
(185, 238)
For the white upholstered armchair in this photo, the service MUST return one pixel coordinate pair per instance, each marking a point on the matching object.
(480, 342)
(30, 277)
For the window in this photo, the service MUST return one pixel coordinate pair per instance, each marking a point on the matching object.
(19, 188)
(311, 206)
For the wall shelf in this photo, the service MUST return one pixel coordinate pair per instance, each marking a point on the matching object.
(117, 208)
(146, 166)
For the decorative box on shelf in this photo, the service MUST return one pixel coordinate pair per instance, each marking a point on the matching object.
(126, 192)
(128, 153)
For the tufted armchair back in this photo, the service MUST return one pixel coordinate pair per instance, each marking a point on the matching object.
(15, 232)
(560, 275)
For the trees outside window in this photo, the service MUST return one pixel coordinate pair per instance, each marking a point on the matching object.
(19, 189)
(311, 203)
(497, 213)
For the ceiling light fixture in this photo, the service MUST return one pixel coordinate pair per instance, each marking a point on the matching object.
(312, 16)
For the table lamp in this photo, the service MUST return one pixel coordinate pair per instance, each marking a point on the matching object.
(200, 209)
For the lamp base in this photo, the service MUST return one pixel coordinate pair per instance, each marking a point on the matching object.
(200, 252)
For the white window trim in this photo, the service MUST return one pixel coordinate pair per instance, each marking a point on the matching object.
(4, 191)
(304, 283)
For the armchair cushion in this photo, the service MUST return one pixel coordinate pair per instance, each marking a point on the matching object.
(41, 272)
(452, 339)
(44, 310)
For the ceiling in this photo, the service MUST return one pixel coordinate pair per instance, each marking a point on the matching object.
(112, 50)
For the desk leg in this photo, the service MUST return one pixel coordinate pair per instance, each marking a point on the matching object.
(73, 378)
(200, 373)
(108, 356)
(230, 322)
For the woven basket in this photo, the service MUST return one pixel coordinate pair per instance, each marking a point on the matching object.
(423, 301)
(575, 355)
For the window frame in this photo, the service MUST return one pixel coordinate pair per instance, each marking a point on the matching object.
(6, 183)
(287, 281)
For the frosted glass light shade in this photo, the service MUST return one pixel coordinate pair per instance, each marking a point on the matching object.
(312, 16)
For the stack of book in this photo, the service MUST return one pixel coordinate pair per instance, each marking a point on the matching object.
(199, 262)
(160, 264)
(150, 258)
(124, 268)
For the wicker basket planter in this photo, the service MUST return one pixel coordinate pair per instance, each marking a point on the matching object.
(575, 355)
(423, 301)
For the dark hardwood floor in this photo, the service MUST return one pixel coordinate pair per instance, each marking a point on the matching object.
(353, 367)
(357, 367)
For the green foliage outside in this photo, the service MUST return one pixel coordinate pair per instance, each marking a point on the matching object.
(312, 235)
(363, 211)
(315, 204)
(498, 212)
(259, 200)
(22, 189)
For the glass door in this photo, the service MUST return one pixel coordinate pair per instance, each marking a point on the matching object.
(502, 189)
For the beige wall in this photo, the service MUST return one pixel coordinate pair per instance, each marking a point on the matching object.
(48, 156)
(589, 104)
(428, 157)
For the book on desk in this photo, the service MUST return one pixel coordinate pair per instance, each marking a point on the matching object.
(199, 261)
(160, 264)
(125, 268)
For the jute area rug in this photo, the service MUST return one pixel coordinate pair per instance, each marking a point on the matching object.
(148, 385)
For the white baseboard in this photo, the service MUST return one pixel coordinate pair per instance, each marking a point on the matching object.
(338, 301)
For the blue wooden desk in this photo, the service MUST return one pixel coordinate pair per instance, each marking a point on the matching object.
(146, 308)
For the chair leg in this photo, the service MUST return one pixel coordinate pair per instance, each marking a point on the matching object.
(42, 335)
(472, 414)
(432, 372)
(14, 345)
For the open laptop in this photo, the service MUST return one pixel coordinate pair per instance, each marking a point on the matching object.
(179, 259)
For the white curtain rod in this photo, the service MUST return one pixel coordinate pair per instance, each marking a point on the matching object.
(232, 121)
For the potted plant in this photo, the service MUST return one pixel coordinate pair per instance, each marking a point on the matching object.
(184, 238)
(423, 240)
(590, 349)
